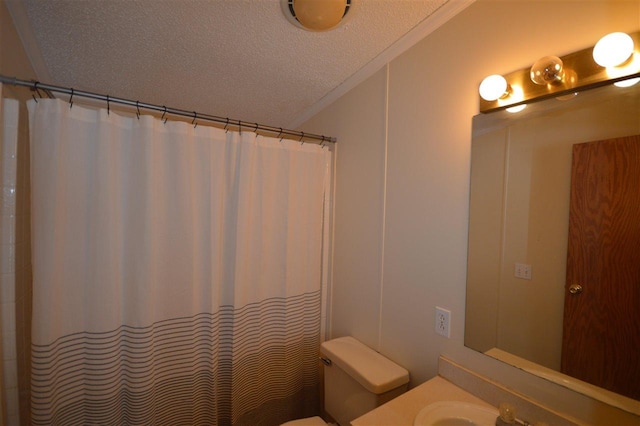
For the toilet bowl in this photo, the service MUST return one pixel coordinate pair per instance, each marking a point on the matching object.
(357, 379)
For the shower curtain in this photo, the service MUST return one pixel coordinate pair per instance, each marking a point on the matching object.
(9, 240)
(177, 271)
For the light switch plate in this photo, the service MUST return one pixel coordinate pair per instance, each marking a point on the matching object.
(523, 271)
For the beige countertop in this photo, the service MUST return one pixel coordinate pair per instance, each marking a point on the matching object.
(403, 409)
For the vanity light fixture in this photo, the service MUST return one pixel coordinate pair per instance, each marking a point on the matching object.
(556, 77)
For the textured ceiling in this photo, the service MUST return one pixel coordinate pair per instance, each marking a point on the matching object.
(233, 58)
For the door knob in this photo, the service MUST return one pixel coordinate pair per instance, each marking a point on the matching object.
(575, 289)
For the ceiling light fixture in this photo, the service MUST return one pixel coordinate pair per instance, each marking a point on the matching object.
(615, 59)
(317, 15)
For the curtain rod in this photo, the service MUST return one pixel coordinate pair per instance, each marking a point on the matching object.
(280, 132)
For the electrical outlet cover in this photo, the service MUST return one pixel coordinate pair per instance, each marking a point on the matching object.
(443, 322)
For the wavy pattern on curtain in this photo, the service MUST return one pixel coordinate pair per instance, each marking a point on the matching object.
(183, 370)
(176, 272)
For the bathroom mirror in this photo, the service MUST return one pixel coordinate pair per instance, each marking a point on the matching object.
(521, 180)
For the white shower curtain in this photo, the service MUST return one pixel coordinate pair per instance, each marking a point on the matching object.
(177, 271)
(9, 239)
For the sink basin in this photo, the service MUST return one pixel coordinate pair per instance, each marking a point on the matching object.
(456, 413)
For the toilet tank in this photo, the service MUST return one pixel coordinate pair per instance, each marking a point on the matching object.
(358, 379)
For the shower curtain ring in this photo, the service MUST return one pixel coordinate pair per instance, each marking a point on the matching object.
(301, 137)
(35, 88)
(164, 120)
(108, 106)
(195, 116)
(138, 109)
(280, 134)
(256, 129)
(226, 125)
(71, 99)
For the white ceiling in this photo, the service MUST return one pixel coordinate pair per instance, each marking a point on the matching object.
(232, 58)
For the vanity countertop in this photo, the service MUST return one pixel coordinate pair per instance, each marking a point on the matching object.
(403, 409)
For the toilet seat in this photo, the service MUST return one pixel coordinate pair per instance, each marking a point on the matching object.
(309, 421)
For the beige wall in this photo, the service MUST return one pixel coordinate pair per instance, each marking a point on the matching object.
(401, 214)
(14, 62)
(485, 239)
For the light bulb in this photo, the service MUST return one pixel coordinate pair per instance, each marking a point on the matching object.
(613, 49)
(547, 70)
(493, 87)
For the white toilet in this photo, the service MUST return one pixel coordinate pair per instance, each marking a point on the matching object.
(357, 379)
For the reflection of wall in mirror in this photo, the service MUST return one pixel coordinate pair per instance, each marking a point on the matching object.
(519, 214)
(485, 239)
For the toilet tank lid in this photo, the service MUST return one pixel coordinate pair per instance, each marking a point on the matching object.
(372, 370)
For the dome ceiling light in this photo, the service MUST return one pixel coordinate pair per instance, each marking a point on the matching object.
(317, 15)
